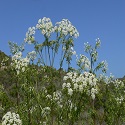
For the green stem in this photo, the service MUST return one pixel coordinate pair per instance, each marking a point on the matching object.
(49, 55)
(41, 57)
(46, 55)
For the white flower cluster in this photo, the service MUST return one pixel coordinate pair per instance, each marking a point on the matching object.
(44, 123)
(119, 100)
(14, 47)
(105, 66)
(11, 119)
(71, 105)
(3, 62)
(92, 51)
(118, 83)
(32, 55)
(98, 43)
(85, 82)
(17, 55)
(30, 35)
(46, 26)
(106, 79)
(56, 97)
(94, 55)
(45, 111)
(66, 28)
(19, 63)
(73, 51)
(93, 92)
(83, 62)
(87, 47)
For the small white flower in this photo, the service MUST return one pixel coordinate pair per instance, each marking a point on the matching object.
(119, 100)
(31, 55)
(30, 35)
(93, 96)
(93, 90)
(70, 91)
(49, 96)
(80, 88)
(76, 86)
(64, 85)
(44, 123)
(65, 78)
(68, 85)
(11, 118)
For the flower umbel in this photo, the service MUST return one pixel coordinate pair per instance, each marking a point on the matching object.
(46, 26)
(66, 28)
(11, 119)
(30, 35)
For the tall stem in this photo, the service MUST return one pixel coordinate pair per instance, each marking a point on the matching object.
(49, 55)
(46, 55)
(28, 108)
(17, 93)
(41, 57)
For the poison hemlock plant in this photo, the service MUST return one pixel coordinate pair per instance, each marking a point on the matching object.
(44, 95)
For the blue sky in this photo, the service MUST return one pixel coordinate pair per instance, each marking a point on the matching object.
(92, 18)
